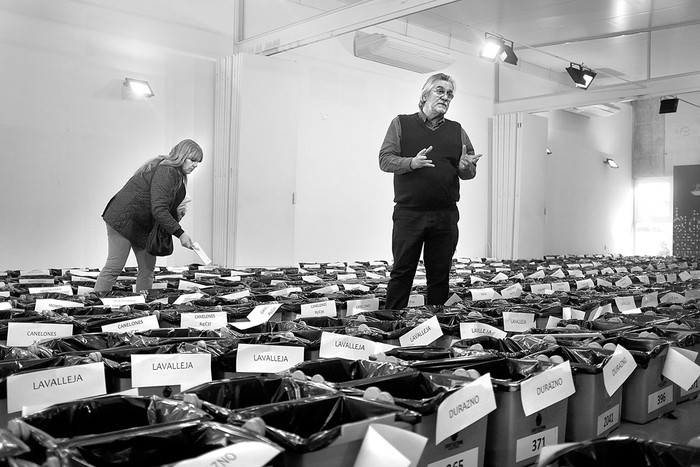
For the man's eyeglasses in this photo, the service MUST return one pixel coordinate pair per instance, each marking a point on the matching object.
(440, 92)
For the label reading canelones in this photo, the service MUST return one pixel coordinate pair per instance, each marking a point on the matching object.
(143, 323)
(204, 320)
(324, 308)
(24, 334)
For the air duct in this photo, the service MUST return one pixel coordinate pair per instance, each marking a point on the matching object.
(401, 54)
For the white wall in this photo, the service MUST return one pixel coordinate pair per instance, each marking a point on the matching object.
(69, 140)
(342, 111)
(589, 206)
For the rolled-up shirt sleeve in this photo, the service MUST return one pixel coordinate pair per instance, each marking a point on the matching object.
(390, 158)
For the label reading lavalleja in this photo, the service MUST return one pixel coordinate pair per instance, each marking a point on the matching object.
(53, 386)
(518, 322)
(258, 358)
(184, 369)
(423, 334)
(476, 329)
(343, 346)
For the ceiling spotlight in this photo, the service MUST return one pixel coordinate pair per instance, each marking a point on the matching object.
(582, 76)
(549, 151)
(611, 163)
(491, 48)
(138, 87)
(668, 105)
(507, 53)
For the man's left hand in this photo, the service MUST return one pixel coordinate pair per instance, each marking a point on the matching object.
(467, 159)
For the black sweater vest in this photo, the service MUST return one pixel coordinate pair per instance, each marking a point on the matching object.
(429, 188)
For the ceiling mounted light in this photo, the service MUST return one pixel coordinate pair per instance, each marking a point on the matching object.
(507, 54)
(611, 163)
(582, 76)
(492, 47)
(138, 87)
(668, 105)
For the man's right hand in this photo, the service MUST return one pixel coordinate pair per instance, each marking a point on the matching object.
(421, 160)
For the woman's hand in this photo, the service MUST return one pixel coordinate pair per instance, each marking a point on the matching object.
(186, 241)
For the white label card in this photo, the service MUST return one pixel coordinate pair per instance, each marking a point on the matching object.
(45, 387)
(454, 298)
(468, 458)
(585, 284)
(62, 289)
(625, 303)
(360, 306)
(188, 297)
(660, 398)
(416, 300)
(184, 369)
(530, 446)
(540, 288)
(46, 304)
(650, 299)
(236, 295)
(242, 454)
(330, 289)
(256, 358)
(680, 367)
(423, 334)
(348, 347)
(24, 334)
(116, 302)
(620, 367)
(204, 320)
(466, 406)
(143, 323)
(518, 322)
(513, 291)
(200, 252)
(475, 329)
(561, 286)
(624, 282)
(608, 419)
(325, 308)
(263, 313)
(5, 306)
(552, 322)
(547, 388)
(487, 293)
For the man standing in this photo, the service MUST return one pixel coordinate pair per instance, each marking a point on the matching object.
(428, 155)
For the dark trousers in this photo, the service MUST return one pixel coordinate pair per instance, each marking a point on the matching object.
(434, 232)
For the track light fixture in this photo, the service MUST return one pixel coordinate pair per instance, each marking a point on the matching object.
(507, 54)
(668, 105)
(497, 47)
(582, 76)
(138, 87)
(611, 163)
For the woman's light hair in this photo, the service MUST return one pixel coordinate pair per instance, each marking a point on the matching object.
(184, 150)
(428, 86)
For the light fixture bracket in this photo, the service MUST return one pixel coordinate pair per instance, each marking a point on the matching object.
(138, 87)
(581, 75)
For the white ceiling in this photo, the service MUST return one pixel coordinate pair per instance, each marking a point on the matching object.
(639, 48)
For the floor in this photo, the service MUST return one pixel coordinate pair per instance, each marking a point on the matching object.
(680, 426)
